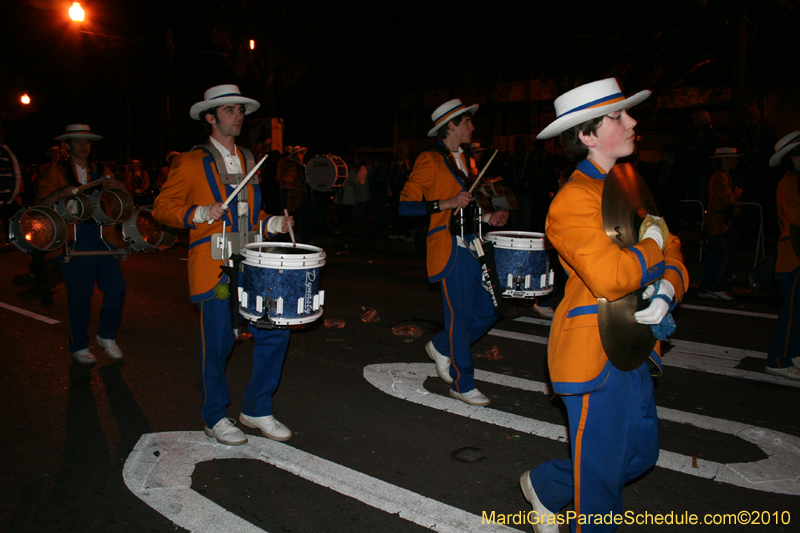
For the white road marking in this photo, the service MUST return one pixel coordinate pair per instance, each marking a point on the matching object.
(159, 472)
(31, 314)
(698, 356)
(728, 311)
(778, 473)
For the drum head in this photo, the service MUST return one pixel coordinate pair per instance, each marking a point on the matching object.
(321, 173)
(626, 202)
(38, 229)
(145, 233)
(112, 206)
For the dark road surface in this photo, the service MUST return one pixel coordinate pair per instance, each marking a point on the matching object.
(378, 445)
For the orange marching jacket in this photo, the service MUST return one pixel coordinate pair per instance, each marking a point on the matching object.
(597, 268)
(193, 181)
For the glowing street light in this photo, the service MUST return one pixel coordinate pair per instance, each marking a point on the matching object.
(25, 99)
(252, 44)
(76, 12)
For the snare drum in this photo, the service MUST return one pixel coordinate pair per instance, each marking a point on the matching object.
(37, 229)
(145, 234)
(281, 282)
(326, 172)
(523, 266)
(75, 209)
(112, 206)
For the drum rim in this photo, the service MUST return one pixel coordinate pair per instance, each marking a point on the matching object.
(87, 208)
(517, 240)
(60, 234)
(126, 204)
(280, 321)
(286, 262)
(136, 240)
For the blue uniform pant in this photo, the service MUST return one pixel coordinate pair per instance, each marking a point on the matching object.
(721, 260)
(468, 315)
(80, 275)
(216, 343)
(786, 343)
(614, 439)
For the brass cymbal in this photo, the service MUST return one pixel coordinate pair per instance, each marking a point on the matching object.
(626, 202)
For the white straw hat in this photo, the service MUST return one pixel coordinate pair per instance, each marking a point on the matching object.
(78, 131)
(783, 147)
(221, 95)
(589, 101)
(725, 151)
(447, 112)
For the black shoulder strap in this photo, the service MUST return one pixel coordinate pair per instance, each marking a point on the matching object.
(69, 173)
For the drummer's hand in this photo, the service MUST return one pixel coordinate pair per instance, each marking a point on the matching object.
(286, 223)
(68, 192)
(659, 306)
(459, 200)
(215, 211)
(498, 218)
(113, 183)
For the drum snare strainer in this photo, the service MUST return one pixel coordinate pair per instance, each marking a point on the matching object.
(281, 283)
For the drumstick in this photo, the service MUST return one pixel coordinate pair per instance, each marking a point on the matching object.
(291, 231)
(240, 186)
(93, 183)
(478, 179)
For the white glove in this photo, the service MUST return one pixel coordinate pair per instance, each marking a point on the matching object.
(201, 214)
(658, 308)
(655, 232)
(275, 225)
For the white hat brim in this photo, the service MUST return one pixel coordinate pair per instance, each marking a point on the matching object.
(723, 156)
(776, 158)
(250, 105)
(562, 124)
(470, 109)
(90, 136)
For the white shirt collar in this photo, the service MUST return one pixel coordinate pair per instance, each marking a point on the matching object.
(232, 162)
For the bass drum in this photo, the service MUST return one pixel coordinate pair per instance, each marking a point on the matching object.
(145, 234)
(326, 172)
(10, 176)
(37, 229)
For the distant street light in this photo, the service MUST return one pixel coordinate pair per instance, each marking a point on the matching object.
(76, 12)
(252, 44)
(25, 99)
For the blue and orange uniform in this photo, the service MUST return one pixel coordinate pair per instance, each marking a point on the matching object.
(612, 414)
(785, 344)
(194, 181)
(468, 309)
(81, 273)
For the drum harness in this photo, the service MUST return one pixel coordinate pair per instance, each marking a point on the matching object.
(467, 220)
(231, 244)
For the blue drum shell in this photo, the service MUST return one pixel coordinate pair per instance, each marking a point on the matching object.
(274, 283)
(521, 263)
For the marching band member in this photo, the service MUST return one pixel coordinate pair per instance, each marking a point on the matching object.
(611, 413)
(61, 180)
(783, 358)
(192, 196)
(437, 186)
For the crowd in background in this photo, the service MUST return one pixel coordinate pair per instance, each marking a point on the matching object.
(367, 204)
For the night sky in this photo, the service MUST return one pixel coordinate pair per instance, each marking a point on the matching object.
(335, 71)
